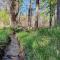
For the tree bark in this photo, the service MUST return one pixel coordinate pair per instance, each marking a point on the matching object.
(58, 12)
(37, 13)
(50, 22)
(14, 12)
(29, 15)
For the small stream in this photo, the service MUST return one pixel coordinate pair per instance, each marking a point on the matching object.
(12, 51)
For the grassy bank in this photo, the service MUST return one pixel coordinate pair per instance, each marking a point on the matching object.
(4, 37)
(42, 44)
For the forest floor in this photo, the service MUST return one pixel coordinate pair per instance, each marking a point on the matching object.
(42, 44)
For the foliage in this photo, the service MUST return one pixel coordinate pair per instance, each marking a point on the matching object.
(4, 37)
(4, 16)
(20, 2)
(51, 4)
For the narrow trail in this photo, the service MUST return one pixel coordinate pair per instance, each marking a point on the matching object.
(12, 51)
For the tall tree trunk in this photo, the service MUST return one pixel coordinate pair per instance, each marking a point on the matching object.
(37, 13)
(50, 22)
(58, 12)
(30, 14)
(14, 12)
(55, 17)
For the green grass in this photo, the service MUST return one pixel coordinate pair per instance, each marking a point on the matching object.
(4, 37)
(42, 44)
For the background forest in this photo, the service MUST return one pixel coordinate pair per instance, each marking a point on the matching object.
(36, 24)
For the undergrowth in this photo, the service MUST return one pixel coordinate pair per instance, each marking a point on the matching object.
(42, 44)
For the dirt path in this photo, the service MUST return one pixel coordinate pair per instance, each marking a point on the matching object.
(12, 51)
